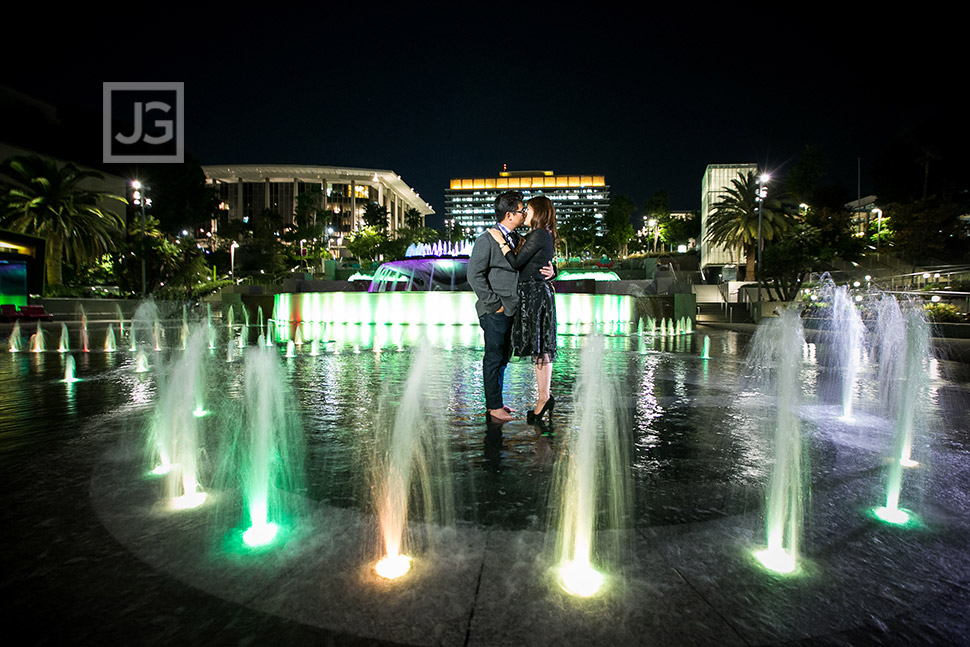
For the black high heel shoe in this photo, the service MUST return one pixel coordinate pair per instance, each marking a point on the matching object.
(532, 417)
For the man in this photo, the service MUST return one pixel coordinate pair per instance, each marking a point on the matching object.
(495, 284)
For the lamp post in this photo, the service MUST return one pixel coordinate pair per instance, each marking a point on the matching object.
(140, 198)
(653, 225)
(760, 200)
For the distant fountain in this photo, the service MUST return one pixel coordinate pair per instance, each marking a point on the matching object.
(141, 361)
(109, 340)
(145, 325)
(176, 426)
(15, 340)
(184, 337)
(69, 370)
(37, 344)
(65, 344)
(85, 345)
(848, 338)
(776, 356)
(594, 476)
(121, 321)
(706, 354)
(210, 331)
(244, 334)
(408, 462)
(290, 349)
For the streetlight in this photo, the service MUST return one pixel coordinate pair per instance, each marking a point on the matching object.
(760, 199)
(652, 223)
(232, 260)
(140, 197)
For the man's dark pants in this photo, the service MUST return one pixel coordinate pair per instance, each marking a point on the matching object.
(498, 350)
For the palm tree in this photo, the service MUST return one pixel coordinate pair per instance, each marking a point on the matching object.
(45, 199)
(734, 222)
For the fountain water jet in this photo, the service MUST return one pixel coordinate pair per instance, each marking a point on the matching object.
(594, 473)
(409, 455)
(778, 345)
(912, 378)
(69, 370)
(268, 447)
(109, 340)
(37, 340)
(65, 345)
(175, 427)
(15, 339)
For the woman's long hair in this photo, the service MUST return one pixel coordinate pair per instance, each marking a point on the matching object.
(544, 215)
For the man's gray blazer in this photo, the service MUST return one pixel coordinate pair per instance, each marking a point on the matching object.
(492, 278)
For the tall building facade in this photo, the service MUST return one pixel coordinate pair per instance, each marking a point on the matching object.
(470, 202)
(247, 191)
(717, 178)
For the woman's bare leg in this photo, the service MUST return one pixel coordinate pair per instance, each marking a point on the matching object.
(543, 382)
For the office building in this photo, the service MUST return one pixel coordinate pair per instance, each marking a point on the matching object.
(470, 202)
(248, 190)
(717, 179)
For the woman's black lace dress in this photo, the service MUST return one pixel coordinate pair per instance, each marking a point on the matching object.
(534, 329)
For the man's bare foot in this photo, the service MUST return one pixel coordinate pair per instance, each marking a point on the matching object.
(509, 409)
(500, 414)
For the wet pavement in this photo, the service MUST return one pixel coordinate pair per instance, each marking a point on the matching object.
(90, 555)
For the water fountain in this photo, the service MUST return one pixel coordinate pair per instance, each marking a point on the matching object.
(907, 371)
(70, 370)
(268, 447)
(37, 344)
(141, 360)
(594, 476)
(85, 346)
(776, 356)
(109, 340)
(175, 428)
(145, 325)
(848, 334)
(65, 343)
(409, 457)
(706, 354)
(210, 331)
(15, 341)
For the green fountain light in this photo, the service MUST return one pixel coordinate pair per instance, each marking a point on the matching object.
(260, 534)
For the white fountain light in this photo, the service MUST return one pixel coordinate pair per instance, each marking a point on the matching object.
(393, 566)
(892, 515)
(580, 579)
(777, 560)
(188, 501)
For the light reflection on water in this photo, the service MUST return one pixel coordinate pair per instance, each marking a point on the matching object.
(698, 451)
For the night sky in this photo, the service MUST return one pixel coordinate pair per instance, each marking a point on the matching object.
(647, 96)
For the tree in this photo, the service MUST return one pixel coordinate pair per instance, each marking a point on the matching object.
(45, 199)
(413, 218)
(734, 223)
(578, 233)
(375, 217)
(618, 230)
(923, 228)
(309, 207)
(786, 262)
(365, 244)
(675, 231)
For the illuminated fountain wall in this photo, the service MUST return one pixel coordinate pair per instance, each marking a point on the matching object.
(315, 312)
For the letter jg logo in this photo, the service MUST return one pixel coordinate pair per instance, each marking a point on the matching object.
(143, 122)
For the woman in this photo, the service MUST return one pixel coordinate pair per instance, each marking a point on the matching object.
(534, 329)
